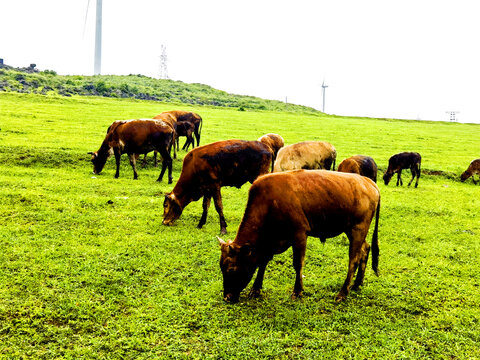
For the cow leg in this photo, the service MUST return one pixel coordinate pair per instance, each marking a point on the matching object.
(418, 175)
(117, 154)
(258, 283)
(166, 163)
(357, 239)
(473, 179)
(206, 204)
(413, 169)
(298, 261)
(133, 158)
(217, 199)
(144, 163)
(362, 266)
(399, 177)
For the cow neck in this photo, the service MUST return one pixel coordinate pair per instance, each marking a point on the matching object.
(182, 196)
(247, 236)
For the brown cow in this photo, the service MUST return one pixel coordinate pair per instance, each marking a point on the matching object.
(192, 117)
(187, 129)
(135, 137)
(283, 209)
(400, 161)
(207, 168)
(473, 168)
(306, 155)
(273, 141)
(360, 164)
(170, 120)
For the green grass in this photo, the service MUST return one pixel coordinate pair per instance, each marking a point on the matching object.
(137, 87)
(88, 271)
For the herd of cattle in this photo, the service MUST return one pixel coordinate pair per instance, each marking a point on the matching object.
(293, 195)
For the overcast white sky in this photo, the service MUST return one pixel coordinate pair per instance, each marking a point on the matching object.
(413, 59)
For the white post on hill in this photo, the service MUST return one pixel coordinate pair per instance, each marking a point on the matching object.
(323, 91)
(98, 40)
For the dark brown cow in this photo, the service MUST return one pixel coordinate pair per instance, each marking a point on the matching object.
(360, 164)
(187, 129)
(308, 155)
(207, 168)
(135, 137)
(404, 160)
(473, 169)
(284, 208)
(192, 117)
(273, 141)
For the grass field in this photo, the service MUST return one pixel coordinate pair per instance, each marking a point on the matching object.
(88, 271)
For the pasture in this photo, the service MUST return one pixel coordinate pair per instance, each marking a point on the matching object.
(88, 271)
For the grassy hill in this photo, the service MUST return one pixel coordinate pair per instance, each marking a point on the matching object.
(88, 271)
(134, 87)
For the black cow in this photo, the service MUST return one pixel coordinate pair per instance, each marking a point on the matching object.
(404, 160)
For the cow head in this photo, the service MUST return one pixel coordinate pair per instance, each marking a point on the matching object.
(465, 175)
(98, 161)
(386, 177)
(237, 267)
(171, 209)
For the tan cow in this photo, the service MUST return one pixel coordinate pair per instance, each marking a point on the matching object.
(273, 141)
(309, 155)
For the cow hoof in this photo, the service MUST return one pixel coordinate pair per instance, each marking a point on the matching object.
(340, 297)
(223, 231)
(254, 293)
(170, 181)
(296, 296)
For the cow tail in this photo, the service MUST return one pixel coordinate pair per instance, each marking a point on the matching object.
(375, 249)
(200, 129)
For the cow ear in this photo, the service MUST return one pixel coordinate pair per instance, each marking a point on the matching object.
(246, 250)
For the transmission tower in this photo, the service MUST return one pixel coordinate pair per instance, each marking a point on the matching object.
(163, 72)
(453, 115)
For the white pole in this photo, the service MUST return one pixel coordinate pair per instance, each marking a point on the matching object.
(98, 40)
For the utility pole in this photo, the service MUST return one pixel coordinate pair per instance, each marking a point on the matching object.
(98, 40)
(323, 91)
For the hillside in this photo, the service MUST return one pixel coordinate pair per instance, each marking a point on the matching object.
(30, 80)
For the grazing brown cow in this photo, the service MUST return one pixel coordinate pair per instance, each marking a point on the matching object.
(473, 168)
(360, 164)
(192, 117)
(273, 141)
(207, 168)
(187, 129)
(135, 137)
(404, 160)
(308, 155)
(283, 209)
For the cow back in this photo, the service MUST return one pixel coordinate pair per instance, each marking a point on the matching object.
(228, 163)
(306, 155)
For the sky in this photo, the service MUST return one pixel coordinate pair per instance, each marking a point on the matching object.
(410, 59)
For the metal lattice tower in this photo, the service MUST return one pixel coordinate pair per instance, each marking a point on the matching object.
(163, 72)
(453, 115)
